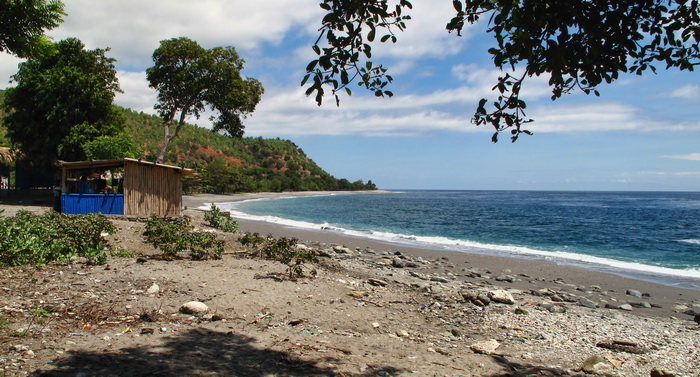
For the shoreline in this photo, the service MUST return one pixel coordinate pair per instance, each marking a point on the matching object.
(531, 273)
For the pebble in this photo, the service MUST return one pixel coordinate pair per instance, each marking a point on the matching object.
(153, 290)
(194, 307)
(625, 307)
(501, 296)
(587, 303)
(634, 293)
(487, 347)
(598, 365)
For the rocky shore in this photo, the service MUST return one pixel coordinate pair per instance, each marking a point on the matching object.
(371, 310)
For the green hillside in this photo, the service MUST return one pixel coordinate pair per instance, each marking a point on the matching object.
(228, 165)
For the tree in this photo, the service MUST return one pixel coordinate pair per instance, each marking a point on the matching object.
(111, 147)
(23, 22)
(62, 100)
(189, 78)
(579, 44)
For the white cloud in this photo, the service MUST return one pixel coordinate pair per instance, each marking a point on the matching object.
(689, 156)
(687, 92)
(136, 93)
(600, 117)
(425, 34)
(133, 28)
(8, 67)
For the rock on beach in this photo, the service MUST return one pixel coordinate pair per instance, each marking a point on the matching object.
(194, 308)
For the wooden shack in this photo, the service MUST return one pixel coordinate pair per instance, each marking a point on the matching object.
(125, 186)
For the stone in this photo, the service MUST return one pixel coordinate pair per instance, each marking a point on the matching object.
(625, 307)
(697, 319)
(377, 282)
(487, 347)
(342, 250)
(623, 346)
(587, 303)
(398, 263)
(153, 289)
(194, 308)
(598, 365)
(439, 279)
(501, 296)
(505, 278)
(634, 293)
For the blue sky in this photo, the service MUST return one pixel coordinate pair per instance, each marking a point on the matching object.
(643, 133)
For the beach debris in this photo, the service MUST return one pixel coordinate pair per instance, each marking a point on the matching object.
(487, 347)
(598, 365)
(623, 346)
(634, 293)
(194, 307)
(501, 296)
(377, 282)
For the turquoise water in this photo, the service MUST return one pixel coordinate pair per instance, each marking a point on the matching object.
(649, 235)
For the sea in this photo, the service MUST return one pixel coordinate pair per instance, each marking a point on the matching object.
(652, 236)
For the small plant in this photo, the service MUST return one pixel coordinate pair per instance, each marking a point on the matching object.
(123, 253)
(217, 220)
(176, 238)
(252, 240)
(42, 312)
(18, 334)
(27, 238)
(283, 250)
(3, 321)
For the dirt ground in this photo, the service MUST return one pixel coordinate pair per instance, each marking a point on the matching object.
(359, 316)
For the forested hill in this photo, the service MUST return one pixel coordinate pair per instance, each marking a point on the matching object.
(236, 165)
(227, 165)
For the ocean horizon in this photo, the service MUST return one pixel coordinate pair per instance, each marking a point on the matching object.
(652, 236)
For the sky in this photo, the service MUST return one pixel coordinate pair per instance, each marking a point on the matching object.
(642, 133)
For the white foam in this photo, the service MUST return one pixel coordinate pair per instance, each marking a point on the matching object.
(444, 243)
(693, 241)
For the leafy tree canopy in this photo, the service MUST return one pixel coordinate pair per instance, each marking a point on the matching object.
(62, 100)
(23, 22)
(111, 147)
(578, 44)
(189, 79)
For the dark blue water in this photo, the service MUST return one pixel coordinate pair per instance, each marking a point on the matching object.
(640, 233)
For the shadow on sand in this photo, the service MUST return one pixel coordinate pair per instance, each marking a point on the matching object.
(198, 352)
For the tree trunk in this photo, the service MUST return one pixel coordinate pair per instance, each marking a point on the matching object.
(170, 136)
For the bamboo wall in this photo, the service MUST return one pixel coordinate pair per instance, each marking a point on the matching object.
(150, 189)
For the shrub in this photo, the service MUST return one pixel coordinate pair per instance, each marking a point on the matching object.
(27, 238)
(217, 220)
(177, 238)
(283, 250)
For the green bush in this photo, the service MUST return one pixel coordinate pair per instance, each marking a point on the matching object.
(283, 250)
(217, 220)
(33, 239)
(177, 238)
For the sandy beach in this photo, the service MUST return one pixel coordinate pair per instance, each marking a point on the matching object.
(372, 309)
